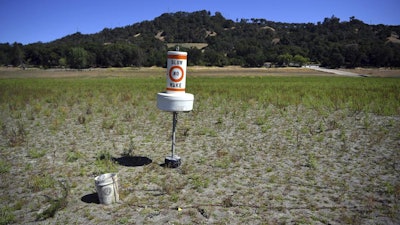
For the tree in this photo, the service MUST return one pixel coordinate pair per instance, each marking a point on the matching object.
(284, 59)
(78, 58)
(334, 60)
(300, 60)
(255, 59)
(246, 42)
(195, 56)
(5, 50)
(352, 56)
(17, 54)
(62, 62)
(214, 58)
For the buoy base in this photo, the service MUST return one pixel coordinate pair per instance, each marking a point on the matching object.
(175, 102)
(173, 161)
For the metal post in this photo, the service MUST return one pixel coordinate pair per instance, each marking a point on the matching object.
(174, 122)
(173, 161)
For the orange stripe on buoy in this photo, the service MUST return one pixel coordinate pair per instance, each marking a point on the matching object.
(176, 89)
(177, 56)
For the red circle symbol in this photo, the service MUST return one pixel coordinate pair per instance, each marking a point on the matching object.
(176, 73)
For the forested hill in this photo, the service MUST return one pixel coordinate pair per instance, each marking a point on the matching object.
(212, 40)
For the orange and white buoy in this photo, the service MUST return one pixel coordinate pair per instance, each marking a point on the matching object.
(176, 72)
(175, 99)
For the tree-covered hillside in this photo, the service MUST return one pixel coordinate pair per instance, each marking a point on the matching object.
(213, 40)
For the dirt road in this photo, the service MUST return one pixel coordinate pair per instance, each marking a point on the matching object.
(338, 72)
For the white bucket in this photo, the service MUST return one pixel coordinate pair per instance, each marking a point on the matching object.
(107, 188)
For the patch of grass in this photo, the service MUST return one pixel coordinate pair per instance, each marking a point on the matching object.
(207, 132)
(374, 95)
(123, 220)
(36, 153)
(265, 128)
(56, 204)
(41, 182)
(389, 188)
(19, 204)
(17, 136)
(105, 163)
(130, 150)
(108, 123)
(6, 216)
(269, 170)
(4, 167)
(220, 120)
(242, 126)
(224, 162)
(312, 162)
(261, 121)
(73, 155)
(81, 119)
(171, 185)
(199, 181)
(174, 197)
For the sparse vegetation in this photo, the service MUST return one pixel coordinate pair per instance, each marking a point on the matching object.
(265, 149)
(55, 203)
(40, 182)
(73, 155)
(6, 216)
(4, 166)
(36, 153)
(105, 162)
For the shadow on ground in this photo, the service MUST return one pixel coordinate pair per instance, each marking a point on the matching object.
(133, 161)
(91, 198)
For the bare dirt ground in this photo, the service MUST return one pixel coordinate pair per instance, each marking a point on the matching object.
(252, 166)
(9, 72)
(361, 72)
(376, 72)
(247, 164)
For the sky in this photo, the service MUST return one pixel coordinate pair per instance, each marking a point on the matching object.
(30, 21)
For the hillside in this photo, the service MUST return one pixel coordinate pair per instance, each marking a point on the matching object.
(213, 40)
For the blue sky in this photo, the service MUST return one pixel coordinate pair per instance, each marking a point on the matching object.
(29, 21)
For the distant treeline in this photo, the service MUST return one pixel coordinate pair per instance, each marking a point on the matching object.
(244, 42)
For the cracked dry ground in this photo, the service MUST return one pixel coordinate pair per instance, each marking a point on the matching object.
(242, 164)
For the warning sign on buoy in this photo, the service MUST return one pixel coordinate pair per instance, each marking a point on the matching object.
(176, 73)
(176, 69)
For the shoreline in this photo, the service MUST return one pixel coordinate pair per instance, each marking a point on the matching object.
(15, 72)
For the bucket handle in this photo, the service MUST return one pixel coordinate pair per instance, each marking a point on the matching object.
(115, 188)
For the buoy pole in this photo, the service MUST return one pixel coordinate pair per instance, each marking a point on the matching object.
(173, 161)
(174, 122)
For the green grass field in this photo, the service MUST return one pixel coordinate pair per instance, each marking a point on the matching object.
(374, 95)
(255, 149)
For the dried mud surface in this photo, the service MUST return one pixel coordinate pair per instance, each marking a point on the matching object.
(246, 164)
(11, 72)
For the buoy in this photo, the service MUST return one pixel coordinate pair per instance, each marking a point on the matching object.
(176, 72)
(175, 99)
